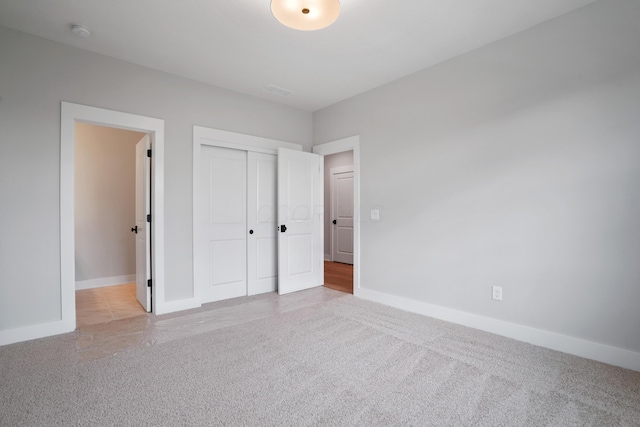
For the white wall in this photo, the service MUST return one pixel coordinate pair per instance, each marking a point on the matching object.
(35, 76)
(517, 165)
(105, 174)
(331, 161)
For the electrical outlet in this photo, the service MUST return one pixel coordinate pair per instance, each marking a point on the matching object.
(496, 293)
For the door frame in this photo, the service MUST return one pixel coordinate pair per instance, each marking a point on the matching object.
(71, 114)
(223, 139)
(332, 205)
(339, 146)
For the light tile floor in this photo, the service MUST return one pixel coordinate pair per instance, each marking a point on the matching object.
(101, 305)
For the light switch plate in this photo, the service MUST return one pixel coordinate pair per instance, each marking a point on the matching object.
(375, 214)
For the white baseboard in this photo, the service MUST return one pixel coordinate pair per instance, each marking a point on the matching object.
(56, 327)
(32, 332)
(178, 305)
(564, 343)
(104, 281)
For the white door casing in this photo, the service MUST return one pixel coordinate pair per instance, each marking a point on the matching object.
(143, 228)
(341, 196)
(222, 239)
(262, 243)
(69, 115)
(300, 217)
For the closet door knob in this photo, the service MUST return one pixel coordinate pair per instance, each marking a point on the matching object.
(334, 222)
(250, 231)
(134, 229)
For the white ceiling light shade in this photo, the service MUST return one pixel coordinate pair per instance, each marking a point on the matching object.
(306, 15)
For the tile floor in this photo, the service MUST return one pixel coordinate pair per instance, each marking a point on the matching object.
(101, 305)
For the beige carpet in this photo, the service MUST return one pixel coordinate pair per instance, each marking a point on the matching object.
(340, 361)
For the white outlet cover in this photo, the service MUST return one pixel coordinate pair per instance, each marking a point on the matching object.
(496, 293)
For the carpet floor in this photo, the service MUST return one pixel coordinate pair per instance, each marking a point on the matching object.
(335, 360)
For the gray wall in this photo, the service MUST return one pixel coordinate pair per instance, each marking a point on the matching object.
(35, 76)
(517, 165)
(331, 161)
(105, 195)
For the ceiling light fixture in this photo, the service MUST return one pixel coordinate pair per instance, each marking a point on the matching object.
(306, 15)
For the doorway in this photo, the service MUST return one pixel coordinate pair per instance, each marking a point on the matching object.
(70, 115)
(112, 176)
(338, 221)
(342, 239)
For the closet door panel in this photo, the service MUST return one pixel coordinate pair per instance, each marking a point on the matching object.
(223, 189)
(262, 245)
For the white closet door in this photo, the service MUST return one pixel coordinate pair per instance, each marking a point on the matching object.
(223, 223)
(300, 212)
(262, 246)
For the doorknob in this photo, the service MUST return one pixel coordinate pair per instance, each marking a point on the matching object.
(250, 231)
(334, 222)
(135, 229)
(283, 228)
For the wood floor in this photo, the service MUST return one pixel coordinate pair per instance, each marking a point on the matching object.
(338, 276)
(101, 305)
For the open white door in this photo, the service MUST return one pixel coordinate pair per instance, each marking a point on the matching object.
(300, 212)
(143, 227)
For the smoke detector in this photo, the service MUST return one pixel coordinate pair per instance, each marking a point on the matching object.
(81, 30)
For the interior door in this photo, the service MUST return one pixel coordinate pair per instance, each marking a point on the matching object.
(222, 241)
(300, 216)
(262, 245)
(142, 227)
(342, 214)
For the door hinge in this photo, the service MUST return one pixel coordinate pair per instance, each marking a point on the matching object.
(148, 153)
(149, 218)
(149, 283)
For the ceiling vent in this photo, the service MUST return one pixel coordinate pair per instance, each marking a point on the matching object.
(278, 90)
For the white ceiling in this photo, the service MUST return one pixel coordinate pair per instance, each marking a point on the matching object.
(238, 45)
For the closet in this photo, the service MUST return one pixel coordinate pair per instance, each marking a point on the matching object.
(244, 242)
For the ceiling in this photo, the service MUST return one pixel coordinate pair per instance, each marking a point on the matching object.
(238, 44)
